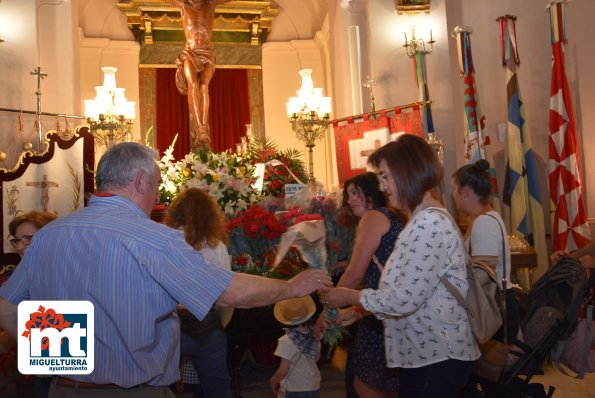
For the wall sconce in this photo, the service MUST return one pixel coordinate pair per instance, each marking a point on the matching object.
(416, 45)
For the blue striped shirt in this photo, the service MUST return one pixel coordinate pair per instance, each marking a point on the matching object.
(134, 271)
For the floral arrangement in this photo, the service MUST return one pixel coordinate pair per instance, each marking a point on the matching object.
(227, 177)
(279, 166)
(290, 266)
(256, 231)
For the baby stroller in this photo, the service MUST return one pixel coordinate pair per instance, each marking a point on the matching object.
(554, 304)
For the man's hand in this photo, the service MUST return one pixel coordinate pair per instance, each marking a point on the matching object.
(309, 281)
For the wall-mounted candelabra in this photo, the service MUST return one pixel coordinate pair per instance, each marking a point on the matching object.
(417, 45)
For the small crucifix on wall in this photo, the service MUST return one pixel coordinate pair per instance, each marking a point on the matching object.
(45, 186)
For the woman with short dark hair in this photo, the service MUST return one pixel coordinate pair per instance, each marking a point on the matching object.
(427, 332)
(377, 230)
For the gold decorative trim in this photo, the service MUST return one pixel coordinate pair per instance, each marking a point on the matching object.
(252, 19)
(412, 7)
(46, 147)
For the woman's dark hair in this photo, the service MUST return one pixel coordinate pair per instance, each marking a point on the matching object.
(37, 218)
(200, 216)
(368, 184)
(413, 164)
(477, 177)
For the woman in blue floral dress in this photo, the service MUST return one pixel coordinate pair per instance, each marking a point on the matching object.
(377, 231)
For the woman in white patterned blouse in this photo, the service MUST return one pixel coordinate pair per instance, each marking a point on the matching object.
(427, 333)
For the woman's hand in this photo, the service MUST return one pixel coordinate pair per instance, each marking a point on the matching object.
(558, 255)
(338, 267)
(339, 297)
(347, 316)
(321, 325)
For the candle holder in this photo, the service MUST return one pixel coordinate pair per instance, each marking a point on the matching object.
(309, 115)
(436, 143)
(416, 45)
(369, 84)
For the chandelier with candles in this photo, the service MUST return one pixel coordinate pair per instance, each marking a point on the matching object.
(309, 115)
(110, 115)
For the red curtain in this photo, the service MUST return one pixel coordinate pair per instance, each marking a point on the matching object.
(171, 115)
(229, 110)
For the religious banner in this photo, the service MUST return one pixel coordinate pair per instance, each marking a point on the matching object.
(521, 187)
(570, 230)
(476, 138)
(357, 137)
(56, 181)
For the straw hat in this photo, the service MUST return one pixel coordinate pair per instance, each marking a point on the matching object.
(294, 311)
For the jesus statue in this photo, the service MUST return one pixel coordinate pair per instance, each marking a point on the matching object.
(196, 65)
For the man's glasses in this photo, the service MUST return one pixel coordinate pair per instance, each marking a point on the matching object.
(25, 239)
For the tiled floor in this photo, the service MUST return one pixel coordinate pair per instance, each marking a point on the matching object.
(255, 381)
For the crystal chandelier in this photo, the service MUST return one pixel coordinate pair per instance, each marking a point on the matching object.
(110, 115)
(309, 114)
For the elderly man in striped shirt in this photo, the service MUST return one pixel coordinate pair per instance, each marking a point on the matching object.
(135, 272)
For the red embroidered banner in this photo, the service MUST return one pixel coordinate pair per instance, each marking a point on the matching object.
(357, 137)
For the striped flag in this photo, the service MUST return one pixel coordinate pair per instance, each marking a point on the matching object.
(419, 63)
(570, 230)
(477, 140)
(521, 190)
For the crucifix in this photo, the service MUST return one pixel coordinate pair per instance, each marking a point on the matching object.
(369, 84)
(368, 152)
(39, 75)
(45, 186)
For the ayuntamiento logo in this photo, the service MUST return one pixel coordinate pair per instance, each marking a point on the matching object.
(56, 337)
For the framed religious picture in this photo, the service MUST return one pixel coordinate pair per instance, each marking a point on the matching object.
(411, 7)
(357, 138)
(57, 180)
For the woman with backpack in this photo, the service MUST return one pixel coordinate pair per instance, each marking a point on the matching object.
(486, 240)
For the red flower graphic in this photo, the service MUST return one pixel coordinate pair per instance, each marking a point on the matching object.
(43, 319)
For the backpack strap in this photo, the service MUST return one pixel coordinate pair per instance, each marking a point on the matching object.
(449, 286)
(504, 289)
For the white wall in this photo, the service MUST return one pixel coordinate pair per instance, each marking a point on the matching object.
(22, 23)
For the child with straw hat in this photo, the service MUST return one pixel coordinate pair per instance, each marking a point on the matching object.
(298, 375)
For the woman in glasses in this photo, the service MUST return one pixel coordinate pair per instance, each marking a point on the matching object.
(23, 227)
